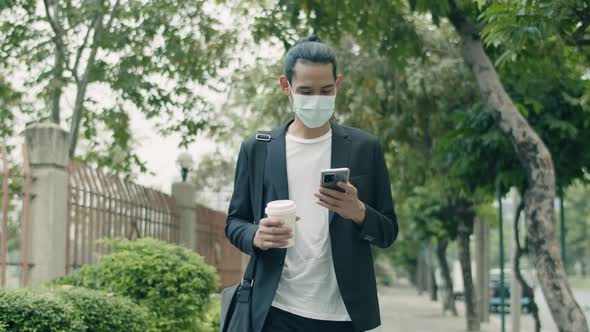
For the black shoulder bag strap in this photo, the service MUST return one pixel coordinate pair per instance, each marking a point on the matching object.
(257, 173)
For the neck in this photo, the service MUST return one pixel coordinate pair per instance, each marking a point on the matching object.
(298, 129)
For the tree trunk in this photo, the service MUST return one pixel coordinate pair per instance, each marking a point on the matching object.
(448, 298)
(434, 290)
(536, 159)
(86, 78)
(464, 231)
(83, 85)
(421, 280)
(430, 279)
(526, 289)
(56, 83)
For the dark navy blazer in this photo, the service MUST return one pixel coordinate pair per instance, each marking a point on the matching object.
(351, 251)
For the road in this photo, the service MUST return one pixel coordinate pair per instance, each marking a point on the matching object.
(547, 324)
(403, 310)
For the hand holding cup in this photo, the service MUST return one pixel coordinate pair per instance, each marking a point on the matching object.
(273, 233)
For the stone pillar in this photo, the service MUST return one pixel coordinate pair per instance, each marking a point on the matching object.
(486, 276)
(482, 263)
(185, 195)
(48, 154)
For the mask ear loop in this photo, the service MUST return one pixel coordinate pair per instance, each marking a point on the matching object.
(290, 94)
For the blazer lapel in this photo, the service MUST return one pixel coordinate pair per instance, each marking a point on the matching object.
(340, 151)
(277, 157)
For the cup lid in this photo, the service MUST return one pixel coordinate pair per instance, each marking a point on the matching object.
(279, 206)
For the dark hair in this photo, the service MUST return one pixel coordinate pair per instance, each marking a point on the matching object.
(309, 49)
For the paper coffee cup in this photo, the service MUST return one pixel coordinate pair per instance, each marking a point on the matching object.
(286, 211)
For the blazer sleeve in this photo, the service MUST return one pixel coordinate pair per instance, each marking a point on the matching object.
(380, 226)
(239, 227)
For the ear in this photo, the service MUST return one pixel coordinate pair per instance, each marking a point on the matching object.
(339, 79)
(284, 83)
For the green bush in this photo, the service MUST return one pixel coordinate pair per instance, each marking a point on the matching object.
(172, 281)
(106, 312)
(69, 309)
(37, 310)
(213, 315)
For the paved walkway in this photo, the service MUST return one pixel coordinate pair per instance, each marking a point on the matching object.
(403, 310)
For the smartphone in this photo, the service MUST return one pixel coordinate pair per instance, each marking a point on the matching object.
(331, 176)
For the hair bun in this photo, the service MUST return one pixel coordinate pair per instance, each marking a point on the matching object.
(312, 38)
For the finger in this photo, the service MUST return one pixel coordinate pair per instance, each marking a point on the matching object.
(274, 230)
(271, 244)
(347, 186)
(268, 238)
(270, 222)
(278, 238)
(328, 206)
(327, 199)
(332, 192)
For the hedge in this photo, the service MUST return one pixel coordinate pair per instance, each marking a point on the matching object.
(172, 281)
(69, 309)
(106, 312)
(37, 310)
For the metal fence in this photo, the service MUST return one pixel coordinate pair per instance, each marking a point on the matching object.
(15, 201)
(104, 206)
(214, 246)
(100, 206)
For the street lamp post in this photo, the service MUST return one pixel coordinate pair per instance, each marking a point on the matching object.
(501, 230)
(562, 230)
(185, 161)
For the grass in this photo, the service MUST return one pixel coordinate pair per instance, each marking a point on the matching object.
(579, 281)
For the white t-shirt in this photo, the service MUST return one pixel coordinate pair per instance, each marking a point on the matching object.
(308, 285)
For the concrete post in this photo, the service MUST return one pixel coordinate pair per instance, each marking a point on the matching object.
(486, 276)
(48, 152)
(428, 270)
(479, 267)
(421, 270)
(185, 195)
(482, 263)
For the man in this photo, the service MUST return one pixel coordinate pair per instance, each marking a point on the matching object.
(326, 282)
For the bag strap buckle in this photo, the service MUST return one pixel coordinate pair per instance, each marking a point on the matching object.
(263, 136)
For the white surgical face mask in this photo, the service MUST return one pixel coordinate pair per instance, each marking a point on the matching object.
(314, 110)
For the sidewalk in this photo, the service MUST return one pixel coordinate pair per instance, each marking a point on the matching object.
(403, 310)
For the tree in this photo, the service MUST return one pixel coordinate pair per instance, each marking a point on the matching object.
(214, 176)
(11, 107)
(515, 24)
(159, 57)
(536, 159)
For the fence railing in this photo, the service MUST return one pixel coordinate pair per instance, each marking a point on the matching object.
(14, 231)
(44, 237)
(104, 206)
(214, 246)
